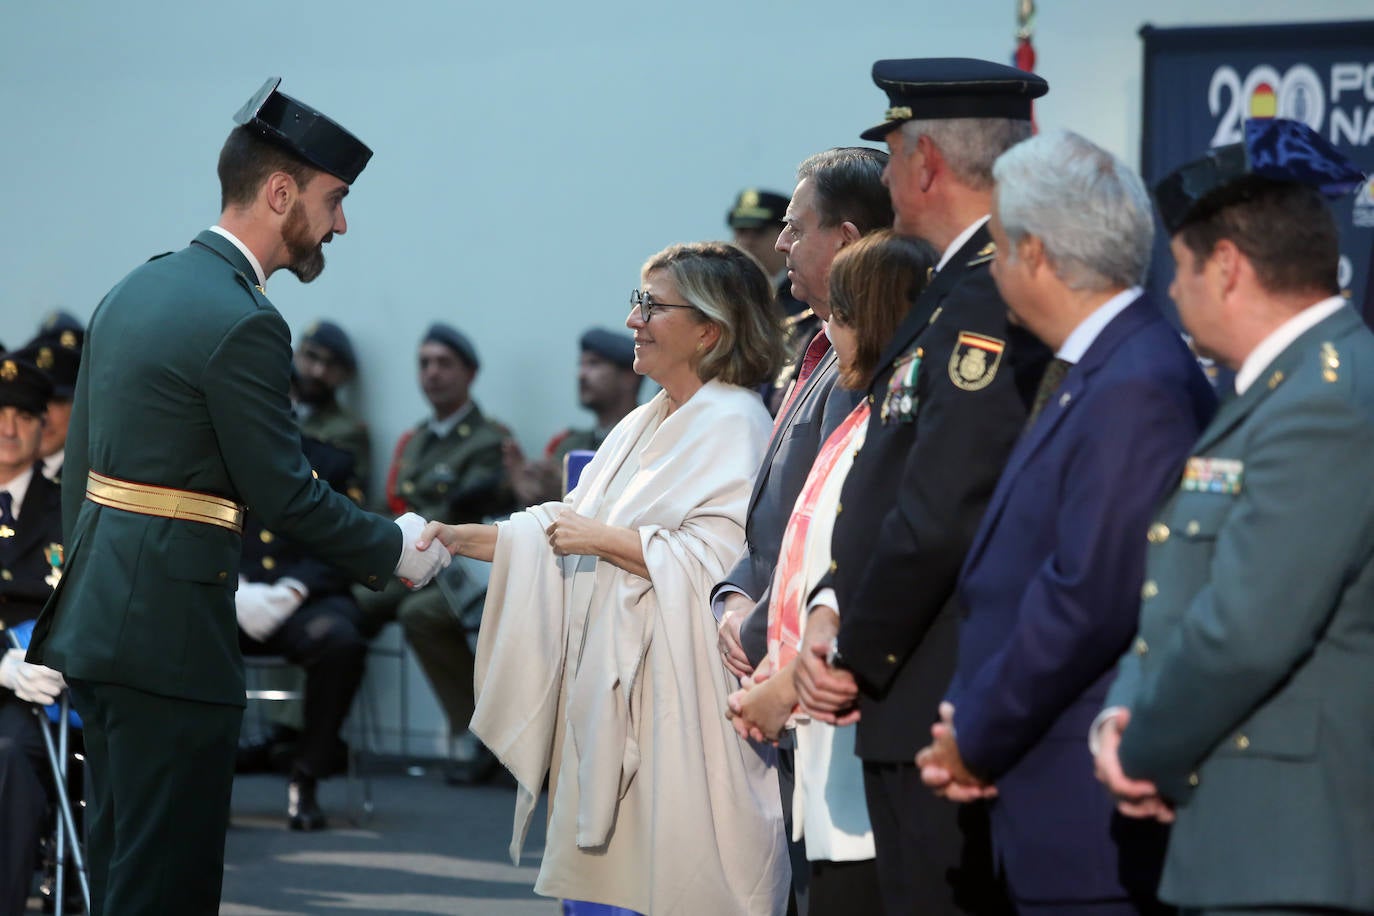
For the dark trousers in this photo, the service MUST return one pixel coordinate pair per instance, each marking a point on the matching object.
(845, 889)
(25, 781)
(323, 638)
(796, 851)
(1096, 908)
(161, 771)
(933, 857)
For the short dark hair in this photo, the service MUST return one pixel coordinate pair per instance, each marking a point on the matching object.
(873, 283)
(849, 187)
(245, 161)
(1286, 231)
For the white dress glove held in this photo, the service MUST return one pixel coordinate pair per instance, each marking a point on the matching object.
(31, 683)
(262, 608)
(415, 567)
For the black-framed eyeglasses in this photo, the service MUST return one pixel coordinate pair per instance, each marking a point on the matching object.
(646, 305)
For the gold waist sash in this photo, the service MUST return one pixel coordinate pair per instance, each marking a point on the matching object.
(164, 502)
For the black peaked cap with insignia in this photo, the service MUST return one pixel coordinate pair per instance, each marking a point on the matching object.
(934, 88)
(755, 208)
(618, 349)
(59, 320)
(58, 354)
(1273, 151)
(333, 338)
(455, 340)
(302, 130)
(23, 385)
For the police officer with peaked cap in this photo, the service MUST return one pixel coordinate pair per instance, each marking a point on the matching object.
(182, 417)
(30, 564)
(948, 400)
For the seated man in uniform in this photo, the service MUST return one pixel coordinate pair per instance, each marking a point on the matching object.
(608, 386)
(449, 465)
(324, 362)
(30, 563)
(57, 351)
(292, 604)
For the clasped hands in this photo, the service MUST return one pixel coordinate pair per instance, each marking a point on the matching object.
(761, 708)
(942, 767)
(417, 567)
(1134, 797)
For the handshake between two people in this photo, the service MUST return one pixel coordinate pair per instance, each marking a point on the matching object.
(423, 554)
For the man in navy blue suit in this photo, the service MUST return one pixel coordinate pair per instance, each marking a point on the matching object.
(1051, 586)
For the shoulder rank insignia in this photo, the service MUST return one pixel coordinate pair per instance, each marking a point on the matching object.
(1331, 361)
(899, 404)
(1213, 475)
(974, 362)
(985, 254)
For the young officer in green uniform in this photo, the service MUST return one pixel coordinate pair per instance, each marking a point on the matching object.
(1243, 711)
(447, 467)
(181, 418)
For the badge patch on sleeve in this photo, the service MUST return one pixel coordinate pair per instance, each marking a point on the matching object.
(974, 362)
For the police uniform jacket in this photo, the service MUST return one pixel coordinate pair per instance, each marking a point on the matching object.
(917, 490)
(1051, 592)
(184, 383)
(26, 558)
(458, 477)
(336, 425)
(1249, 681)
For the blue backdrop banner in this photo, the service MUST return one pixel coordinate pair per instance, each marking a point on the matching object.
(1202, 83)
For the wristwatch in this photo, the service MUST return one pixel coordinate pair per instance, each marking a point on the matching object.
(833, 658)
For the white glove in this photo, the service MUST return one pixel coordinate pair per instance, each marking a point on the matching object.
(416, 568)
(262, 608)
(31, 683)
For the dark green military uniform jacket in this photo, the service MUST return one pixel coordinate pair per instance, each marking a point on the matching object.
(455, 478)
(336, 425)
(184, 383)
(1249, 682)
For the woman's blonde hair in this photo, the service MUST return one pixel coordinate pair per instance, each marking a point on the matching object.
(730, 290)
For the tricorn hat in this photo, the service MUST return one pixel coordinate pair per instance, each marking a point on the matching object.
(304, 131)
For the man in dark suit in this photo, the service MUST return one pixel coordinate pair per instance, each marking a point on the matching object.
(1243, 711)
(292, 604)
(30, 564)
(181, 417)
(839, 198)
(950, 396)
(1051, 585)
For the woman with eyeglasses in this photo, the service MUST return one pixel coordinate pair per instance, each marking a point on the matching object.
(872, 285)
(597, 661)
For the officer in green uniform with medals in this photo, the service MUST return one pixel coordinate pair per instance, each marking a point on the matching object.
(182, 417)
(1243, 712)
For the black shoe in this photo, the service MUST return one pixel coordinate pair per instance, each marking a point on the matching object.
(303, 812)
(472, 763)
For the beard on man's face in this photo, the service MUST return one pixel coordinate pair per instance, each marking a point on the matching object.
(307, 253)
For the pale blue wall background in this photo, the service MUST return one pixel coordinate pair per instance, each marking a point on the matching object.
(528, 156)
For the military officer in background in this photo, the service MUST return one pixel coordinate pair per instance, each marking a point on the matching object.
(950, 396)
(30, 565)
(57, 351)
(1243, 710)
(608, 386)
(291, 603)
(182, 416)
(448, 467)
(756, 220)
(325, 361)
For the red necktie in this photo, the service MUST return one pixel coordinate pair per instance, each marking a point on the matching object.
(815, 352)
